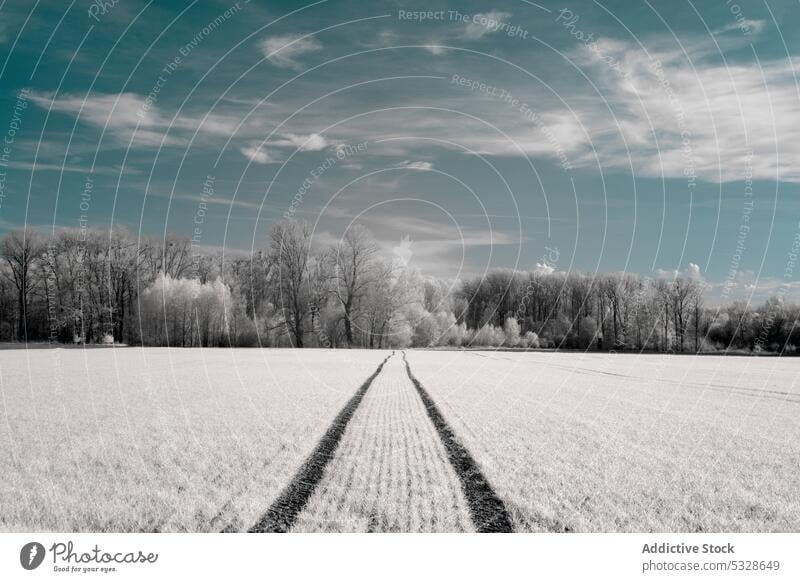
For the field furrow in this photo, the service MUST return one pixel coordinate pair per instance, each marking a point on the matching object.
(390, 472)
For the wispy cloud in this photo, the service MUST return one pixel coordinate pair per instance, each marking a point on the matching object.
(436, 47)
(46, 167)
(476, 28)
(746, 26)
(419, 165)
(435, 247)
(284, 51)
(680, 118)
(220, 201)
(746, 286)
(440, 236)
(313, 142)
(258, 154)
(439, 247)
(269, 152)
(692, 272)
(125, 113)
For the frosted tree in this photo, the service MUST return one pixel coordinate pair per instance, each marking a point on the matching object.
(354, 270)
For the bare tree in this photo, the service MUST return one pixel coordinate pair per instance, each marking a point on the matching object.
(122, 262)
(319, 280)
(664, 300)
(172, 256)
(21, 250)
(291, 243)
(681, 292)
(697, 299)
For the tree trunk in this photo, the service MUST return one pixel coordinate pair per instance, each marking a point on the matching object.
(21, 323)
(298, 333)
(348, 326)
(696, 328)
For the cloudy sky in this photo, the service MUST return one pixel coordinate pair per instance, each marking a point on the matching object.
(654, 136)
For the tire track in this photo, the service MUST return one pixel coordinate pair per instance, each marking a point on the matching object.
(487, 510)
(390, 472)
(283, 512)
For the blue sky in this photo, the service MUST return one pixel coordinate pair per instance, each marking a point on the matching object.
(652, 137)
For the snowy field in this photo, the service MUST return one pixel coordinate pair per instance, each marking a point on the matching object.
(314, 440)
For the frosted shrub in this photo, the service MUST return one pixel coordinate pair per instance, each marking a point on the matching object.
(185, 311)
(511, 332)
(530, 340)
(455, 335)
(426, 332)
(489, 335)
(400, 333)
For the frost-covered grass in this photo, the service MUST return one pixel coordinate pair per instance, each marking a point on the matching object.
(589, 442)
(201, 439)
(157, 439)
(390, 473)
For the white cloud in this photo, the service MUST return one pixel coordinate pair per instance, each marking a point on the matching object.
(313, 142)
(745, 286)
(283, 51)
(744, 26)
(385, 38)
(263, 153)
(257, 154)
(720, 123)
(122, 114)
(692, 272)
(415, 165)
(47, 167)
(771, 286)
(725, 114)
(438, 236)
(222, 201)
(553, 134)
(435, 48)
(114, 110)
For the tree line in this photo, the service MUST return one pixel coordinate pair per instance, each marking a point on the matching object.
(84, 286)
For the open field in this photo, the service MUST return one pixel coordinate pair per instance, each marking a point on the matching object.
(160, 440)
(321, 440)
(589, 442)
